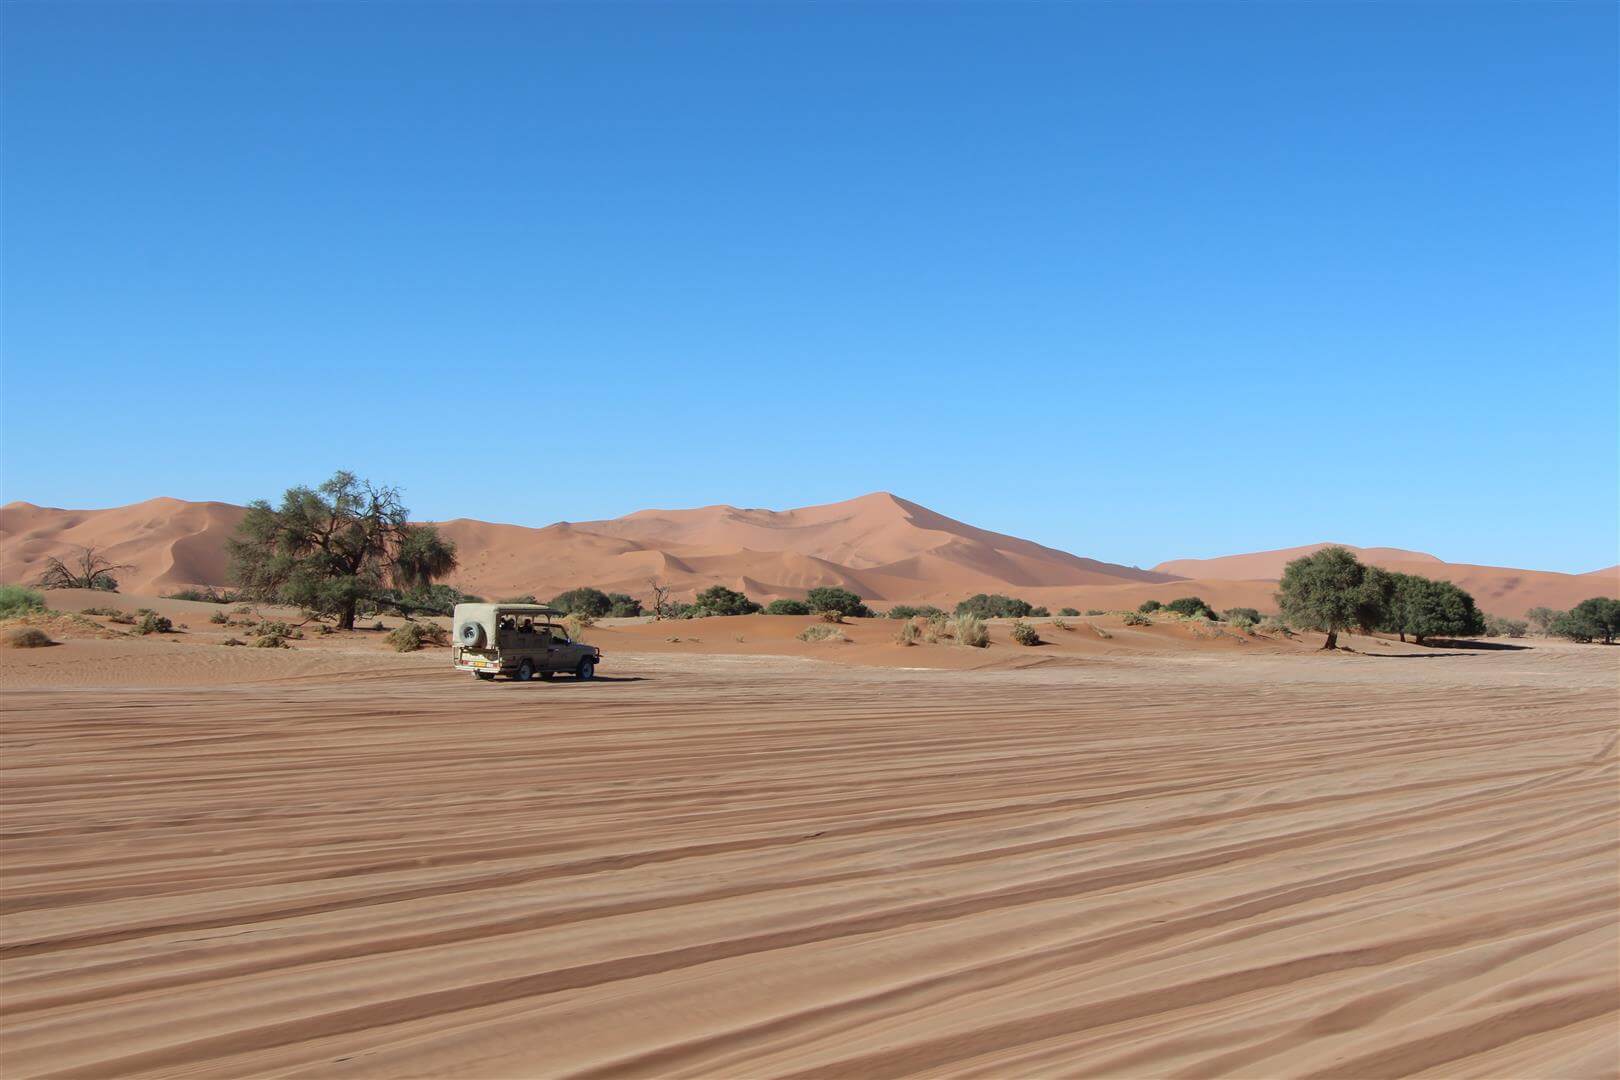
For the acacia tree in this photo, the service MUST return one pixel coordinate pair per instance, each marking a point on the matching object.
(331, 548)
(1598, 617)
(1431, 608)
(88, 571)
(1323, 591)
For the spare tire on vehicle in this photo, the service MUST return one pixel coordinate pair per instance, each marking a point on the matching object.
(472, 634)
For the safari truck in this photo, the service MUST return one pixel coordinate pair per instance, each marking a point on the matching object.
(519, 641)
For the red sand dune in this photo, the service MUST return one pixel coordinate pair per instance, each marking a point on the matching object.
(883, 547)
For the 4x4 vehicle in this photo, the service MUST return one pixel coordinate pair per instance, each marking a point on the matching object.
(518, 640)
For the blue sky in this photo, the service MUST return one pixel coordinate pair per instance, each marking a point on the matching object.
(1140, 281)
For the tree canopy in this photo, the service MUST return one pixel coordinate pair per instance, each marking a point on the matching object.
(995, 606)
(719, 600)
(332, 548)
(831, 598)
(1323, 591)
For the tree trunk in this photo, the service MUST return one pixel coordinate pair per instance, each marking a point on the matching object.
(346, 616)
(1418, 638)
(1403, 637)
(1332, 641)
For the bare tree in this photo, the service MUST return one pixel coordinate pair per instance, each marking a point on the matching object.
(89, 571)
(662, 608)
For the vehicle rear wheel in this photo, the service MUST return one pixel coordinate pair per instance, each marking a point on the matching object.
(587, 669)
(525, 671)
(486, 676)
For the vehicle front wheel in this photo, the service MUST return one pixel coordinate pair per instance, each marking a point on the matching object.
(587, 669)
(525, 671)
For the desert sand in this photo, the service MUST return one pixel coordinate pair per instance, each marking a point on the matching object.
(882, 547)
(1147, 854)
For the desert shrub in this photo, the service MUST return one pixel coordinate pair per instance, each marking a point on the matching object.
(787, 607)
(1039, 613)
(846, 603)
(1069, 611)
(1191, 606)
(910, 611)
(583, 601)
(1136, 618)
(907, 633)
(1060, 623)
(1496, 626)
(821, 632)
(242, 609)
(123, 618)
(995, 606)
(1149, 606)
(719, 600)
(408, 637)
(1095, 611)
(623, 606)
(1273, 625)
(219, 618)
(28, 637)
(279, 630)
(19, 600)
(104, 612)
(1025, 634)
(1242, 622)
(1099, 631)
(831, 615)
(1232, 614)
(206, 595)
(576, 624)
(937, 628)
(971, 631)
(233, 642)
(270, 641)
(151, 622)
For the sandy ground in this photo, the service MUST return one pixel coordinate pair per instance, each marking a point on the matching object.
(1166, 856)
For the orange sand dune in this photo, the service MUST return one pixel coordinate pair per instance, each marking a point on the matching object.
(885, 548)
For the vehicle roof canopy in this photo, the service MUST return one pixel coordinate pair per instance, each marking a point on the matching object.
(490, 612)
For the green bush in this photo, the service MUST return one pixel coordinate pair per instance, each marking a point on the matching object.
(1600, 615)
(846, 603)
(151, 622)
(1040, 613)
(1025, 634)
(971, 630)
(1069, 611)
(1095, 611)
(28, 637)
(1191, 606)
(623, 606)
(1232, 614)
(270, 641)
(583, 601)
(821, 632)
(719, 600)
(909, 611)
(19, 600)
(220, 618)
(1136, 618)
(280, 630)
(995, 606)
(1242, 622)
(1149, 606)
(787, 607)
(408, 637)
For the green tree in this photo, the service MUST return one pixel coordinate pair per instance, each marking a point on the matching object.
(329, 549)
(831, 598)
(1232, 614)
(1438, 608)
(1376, 601)
(583, 601)
(1600, 616)
(787, 606)
(1149, 607)
(719, 600)
(623, 606)
(1190, 606)
(1321, 592)
(995, 606)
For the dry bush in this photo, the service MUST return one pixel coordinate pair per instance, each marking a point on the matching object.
(408, 637)
(271, 641)
(971, 631)
(1136, 618)
(576, 624)
(907, 634)
(1275, 626)
(821, 632)
(1099, 631)
(233, 641)
(220, 618)
(830, 616)
(1060, 623)
(1025, 634)
(28, 637)
(152, 623)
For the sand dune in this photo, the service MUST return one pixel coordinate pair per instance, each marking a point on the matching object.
(1173, 859)
(883, 547)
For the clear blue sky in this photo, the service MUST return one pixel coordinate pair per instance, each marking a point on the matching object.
(1138, 281)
